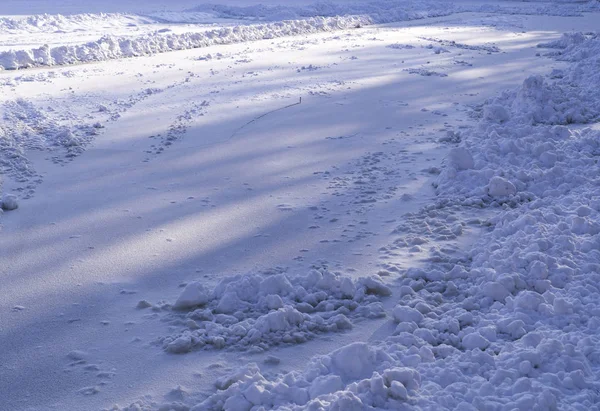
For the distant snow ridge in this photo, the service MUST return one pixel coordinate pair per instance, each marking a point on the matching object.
(255, 312)
(387, 11)
(380, 11)
(47, 23)
(110, 47)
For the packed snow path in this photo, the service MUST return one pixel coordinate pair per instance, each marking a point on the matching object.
(133, 179)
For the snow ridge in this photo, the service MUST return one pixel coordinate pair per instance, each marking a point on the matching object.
(57, 23)
(379, 11)
(110, 47)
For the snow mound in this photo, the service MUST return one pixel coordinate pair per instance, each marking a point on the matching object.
(255, 312)
(522, 147)
(279, 21)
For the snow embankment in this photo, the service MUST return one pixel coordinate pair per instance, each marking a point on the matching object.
(111, 47)
(514, 325)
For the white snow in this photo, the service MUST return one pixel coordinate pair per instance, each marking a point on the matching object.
(109, 47)
(252, 312)
(9, 202)
(289, 218)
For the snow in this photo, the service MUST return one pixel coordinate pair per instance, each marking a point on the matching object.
(252, 312)
(501, 187)
(109, 47)
(290, 218)
(9, 202)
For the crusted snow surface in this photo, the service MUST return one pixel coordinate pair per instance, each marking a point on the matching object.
(513, 325)
(255, 312)
(27, 126)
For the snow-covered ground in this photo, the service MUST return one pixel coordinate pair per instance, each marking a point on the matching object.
(284, 205)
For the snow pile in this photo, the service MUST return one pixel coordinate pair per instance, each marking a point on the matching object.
(351, 378)
(514, 325)
(110, 47)
(576, 47)
(521, 147)
(253, 311)
(489, 48)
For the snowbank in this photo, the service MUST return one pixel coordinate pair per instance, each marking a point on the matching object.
(256, 312)
(110, 47)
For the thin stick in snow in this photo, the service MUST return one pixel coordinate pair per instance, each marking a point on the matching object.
(261, 116)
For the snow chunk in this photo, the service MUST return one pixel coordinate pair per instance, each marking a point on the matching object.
(325, 384)
(496, 113)
(355, 361)
(193, 295)
(495, 290)
(501, 187)
(9, 202)
(475, 340)
(461, 158)
(403, 313)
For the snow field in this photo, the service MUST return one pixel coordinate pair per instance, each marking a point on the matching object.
(507, 323)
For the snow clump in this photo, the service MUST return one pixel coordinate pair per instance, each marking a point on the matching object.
(9, 202)
(255, 312)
